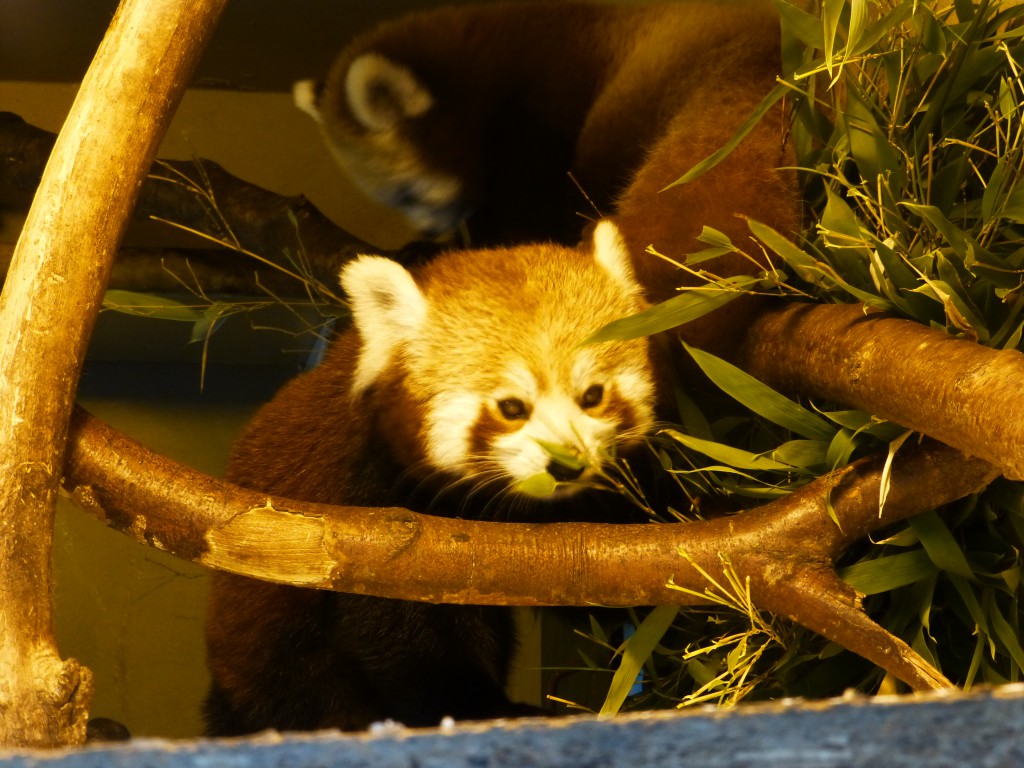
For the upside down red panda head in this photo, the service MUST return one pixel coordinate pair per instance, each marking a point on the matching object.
(477, 372)
(366, 117)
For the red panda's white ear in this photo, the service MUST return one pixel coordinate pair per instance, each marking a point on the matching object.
(611, 254)
(381, 93)
(388, 309)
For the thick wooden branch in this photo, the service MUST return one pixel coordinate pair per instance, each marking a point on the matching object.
(202, 196)
(785, 548)
(205, 271)
(58, 272)
(956, 391)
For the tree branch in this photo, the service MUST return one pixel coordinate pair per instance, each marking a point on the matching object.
(956, 391)
(200, 195)
(785, 548)
(206, 271)
(59, 270)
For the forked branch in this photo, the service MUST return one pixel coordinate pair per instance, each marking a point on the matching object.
(785, 548)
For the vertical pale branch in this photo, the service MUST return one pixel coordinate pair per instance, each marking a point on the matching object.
(47, 311)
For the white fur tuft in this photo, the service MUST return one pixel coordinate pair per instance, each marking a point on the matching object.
(450, 422)
(305, 94)
(382, 93)
(611, 254)
(388, 309)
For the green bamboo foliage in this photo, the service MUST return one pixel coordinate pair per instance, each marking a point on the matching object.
(907, 120)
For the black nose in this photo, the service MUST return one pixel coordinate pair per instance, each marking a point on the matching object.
(563, 473)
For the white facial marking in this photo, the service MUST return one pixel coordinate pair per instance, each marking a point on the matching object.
(557, 420)
(449, 423)
(430, 202)
(393, 174)
(517, 382)
(584, 370)
(638, 389)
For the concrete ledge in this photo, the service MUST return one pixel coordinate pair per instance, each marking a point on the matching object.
(982, 730)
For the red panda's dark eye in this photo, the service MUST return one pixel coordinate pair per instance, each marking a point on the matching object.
(593, 396)
(512, 408)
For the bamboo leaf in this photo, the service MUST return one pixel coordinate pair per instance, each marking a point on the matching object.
(539, 486)
(856, 27)
(884, 484)
(635, 651)
(706, 254)
(802, 25)
(869, 144)
(964, 9)
(841, 449)
(883, 26)
(932, 38)
(769, 101)
(940, 545)
(211, 319)
(839, 217)
(1006, 634)
(720, 246)
(831, 15)
(795, 257)
(151, 305)
(1013, 206)
(884, 574)
(716, 238)
(760, 398)
(970, 601)
(732, 457)
(674, 312)
(805, 454)
(995, 193)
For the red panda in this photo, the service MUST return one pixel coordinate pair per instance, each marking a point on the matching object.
(483, 112)
(454, 380)
(446, 396)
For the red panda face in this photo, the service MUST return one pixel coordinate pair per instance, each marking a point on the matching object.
(540, 433)
(368, 111)
(489, 344)
(387, 168)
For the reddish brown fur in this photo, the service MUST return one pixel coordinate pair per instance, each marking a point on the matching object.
(290, 658)
(632, 97)
(287, 658)
(755, 181)
(539, 89)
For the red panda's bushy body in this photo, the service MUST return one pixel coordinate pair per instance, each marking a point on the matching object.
(439, 400)
(444, 395)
